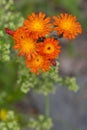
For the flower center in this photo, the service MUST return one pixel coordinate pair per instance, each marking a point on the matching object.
(38, 61)
(49, 48)
(67, 25)
(27, 45)
(37, 25)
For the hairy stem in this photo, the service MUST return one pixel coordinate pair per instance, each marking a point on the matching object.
(47, 105)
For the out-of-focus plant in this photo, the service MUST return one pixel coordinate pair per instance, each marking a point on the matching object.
(8, 120)
(20, 80)
(8, 18)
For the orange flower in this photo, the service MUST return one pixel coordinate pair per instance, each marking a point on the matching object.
(50, 48)
(25, 44)
(38, 63)
(38, 25)
(19, 34)
(67, 25)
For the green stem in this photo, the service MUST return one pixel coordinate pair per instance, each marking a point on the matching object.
(47, 105)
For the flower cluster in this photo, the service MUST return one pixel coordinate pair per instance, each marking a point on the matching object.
(33, 41)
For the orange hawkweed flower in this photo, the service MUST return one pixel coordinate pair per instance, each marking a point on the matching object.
(50, 48)
(19, 34)
(25, 44)
(67, 25)
(38, 63)
(38, 25)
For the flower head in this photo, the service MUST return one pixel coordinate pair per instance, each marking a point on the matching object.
(38, 63)
(67, 25)
(25, 44)
(50, 48)
(19, 34)
(38, 25)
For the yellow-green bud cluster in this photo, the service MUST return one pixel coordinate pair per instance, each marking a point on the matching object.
(10, 122)
(41, 123)
(9, 18)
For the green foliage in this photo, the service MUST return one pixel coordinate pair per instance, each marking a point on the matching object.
(4, 52)
(10, 122)
(70, 83)
(9, 18)
(44, 83)
(41, 123)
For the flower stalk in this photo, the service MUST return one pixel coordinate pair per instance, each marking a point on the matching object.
(47, 105)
